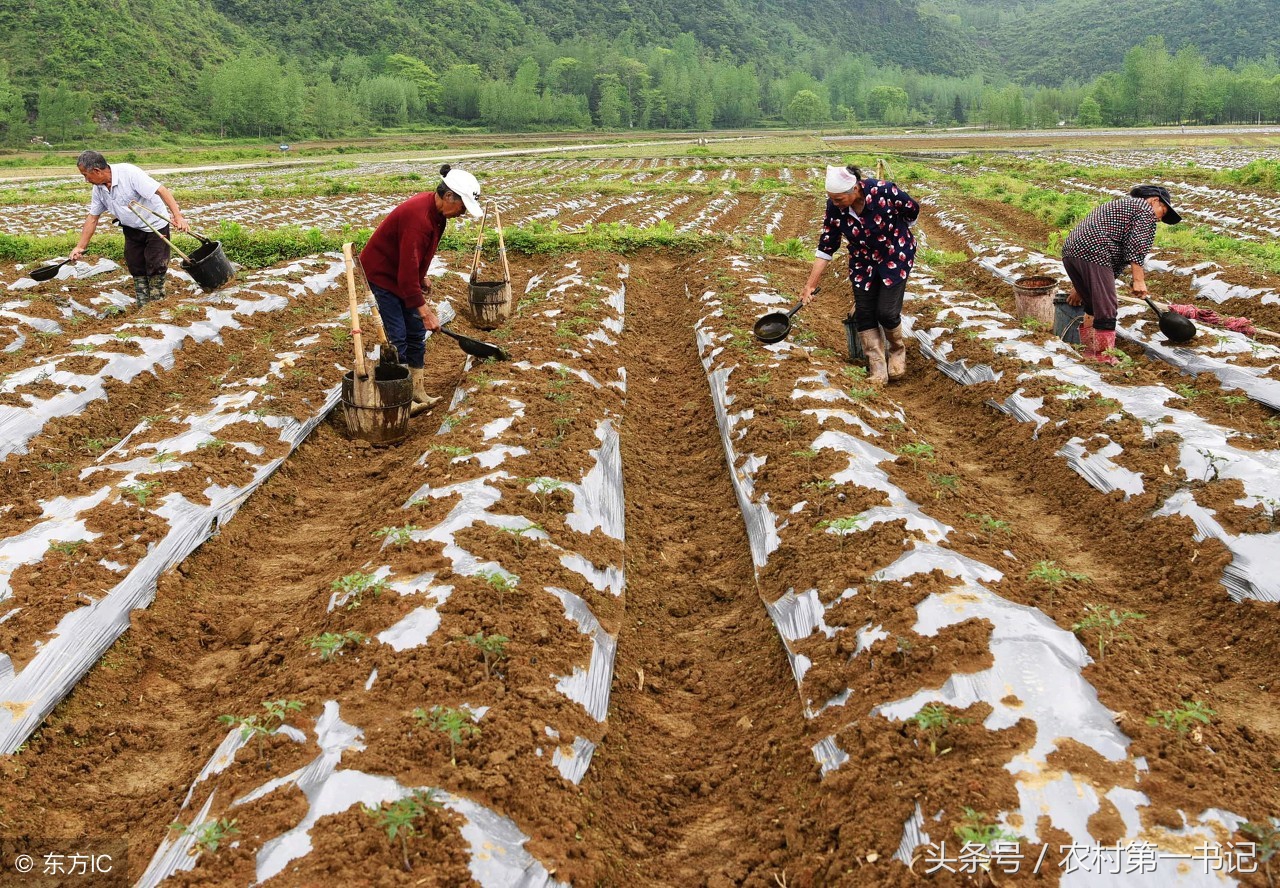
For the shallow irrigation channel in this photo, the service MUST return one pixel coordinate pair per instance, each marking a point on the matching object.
(653, 604)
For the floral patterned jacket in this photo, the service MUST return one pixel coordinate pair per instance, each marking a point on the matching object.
(881, 246)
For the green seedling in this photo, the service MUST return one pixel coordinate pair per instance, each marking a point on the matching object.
(1183, 719)
(1033, 324)
(808, 453)
(141, 491)
(55, 468)
(340, 338)
(824, 353)
(453, 723)
(163, 456)
(1124, 362)
(264, 339)
(917, 451)
(86, 347)
(1232, 402)
(517, 533)
(1214, 463)
(330, 644)
(209, 835)
(1266, 844)
(1189, 392)
(934, 721)
(543, 489)
(236, 357)
(126, 334)
(789, 426)
(819, 489)
(67, 548)
(857, 393)
(211, 444)
(1107, 623)
(398, 818)
(989, 524)
(491, 647)
(948, 485)
(1109, 403)
(762, 379)
(354, 585)
(481, 379)
(97, 445)
(451, 452)
(397, 536)
(500, 583)
(1072, 390)
(858, 373)
(841, 526)
(1053, 576)
(450, 424)
(977, 833)
(257, 727)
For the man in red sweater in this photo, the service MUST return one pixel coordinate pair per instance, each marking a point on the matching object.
(396, 260)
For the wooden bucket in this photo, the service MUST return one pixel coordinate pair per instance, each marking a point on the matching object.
(491, 302)
(380, 414)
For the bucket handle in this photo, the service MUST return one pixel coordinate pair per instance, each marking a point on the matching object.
(502, 246)
(475, 260)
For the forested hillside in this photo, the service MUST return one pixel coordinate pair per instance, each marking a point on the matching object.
(264, 68)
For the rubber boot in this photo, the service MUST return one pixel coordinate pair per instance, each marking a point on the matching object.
(141, 291)
(897, 353)
(1088, 344)
(1105, 340)
(157, 286)
(873, 346)
(422, 402)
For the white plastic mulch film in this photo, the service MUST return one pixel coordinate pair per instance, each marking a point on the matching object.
(1033, 659)
(1206, 450)
(134, 476)
(1236, 360)
(481, 454)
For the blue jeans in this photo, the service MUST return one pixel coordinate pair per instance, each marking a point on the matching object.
(404, 327)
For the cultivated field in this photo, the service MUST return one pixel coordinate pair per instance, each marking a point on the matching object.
(651, 604)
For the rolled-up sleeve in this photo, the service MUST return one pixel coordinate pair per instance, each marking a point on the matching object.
(829, 240)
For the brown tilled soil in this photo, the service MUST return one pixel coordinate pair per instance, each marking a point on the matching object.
(705, 774)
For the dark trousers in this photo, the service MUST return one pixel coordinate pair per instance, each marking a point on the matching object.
(403, 325)
(879, 306)
(145, 252)
(1096, 285)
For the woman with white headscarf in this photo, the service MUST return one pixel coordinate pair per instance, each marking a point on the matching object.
(875, 218)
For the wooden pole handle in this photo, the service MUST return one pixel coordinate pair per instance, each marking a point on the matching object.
(475, 260)
(502, 245)
(135, 206)
(362, 372)
(374, 313)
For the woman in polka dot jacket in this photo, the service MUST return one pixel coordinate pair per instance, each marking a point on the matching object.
(875, 218)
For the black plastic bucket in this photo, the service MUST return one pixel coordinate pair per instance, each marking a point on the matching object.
(1067, 320)
(208, 266)
(386, 420)
(851, 337)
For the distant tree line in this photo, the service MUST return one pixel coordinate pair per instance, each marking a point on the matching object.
(577, 86)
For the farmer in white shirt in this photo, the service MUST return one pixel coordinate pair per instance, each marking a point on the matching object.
(145, 252)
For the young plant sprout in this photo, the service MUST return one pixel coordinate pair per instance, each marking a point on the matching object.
(491, 647)
(141, 491)
(948, 485)
(819, 488)
(1214, 462)
(805, 454)
(256, 727)
(398, 818)
(917, 451)
(983, 837)
(543, 489)
(1266, 843)
(841, 526)
(453, 723)
(1050, 574)
(397, 536)
(1183, 719)
(934, 721)
(789, 425)
(501, 583)
(209, 835)
(354, 585)
(1232, 402)
(517, 533)
(331, 643)
(1107, 623)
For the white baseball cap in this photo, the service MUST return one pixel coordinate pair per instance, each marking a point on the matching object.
(467, 187)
